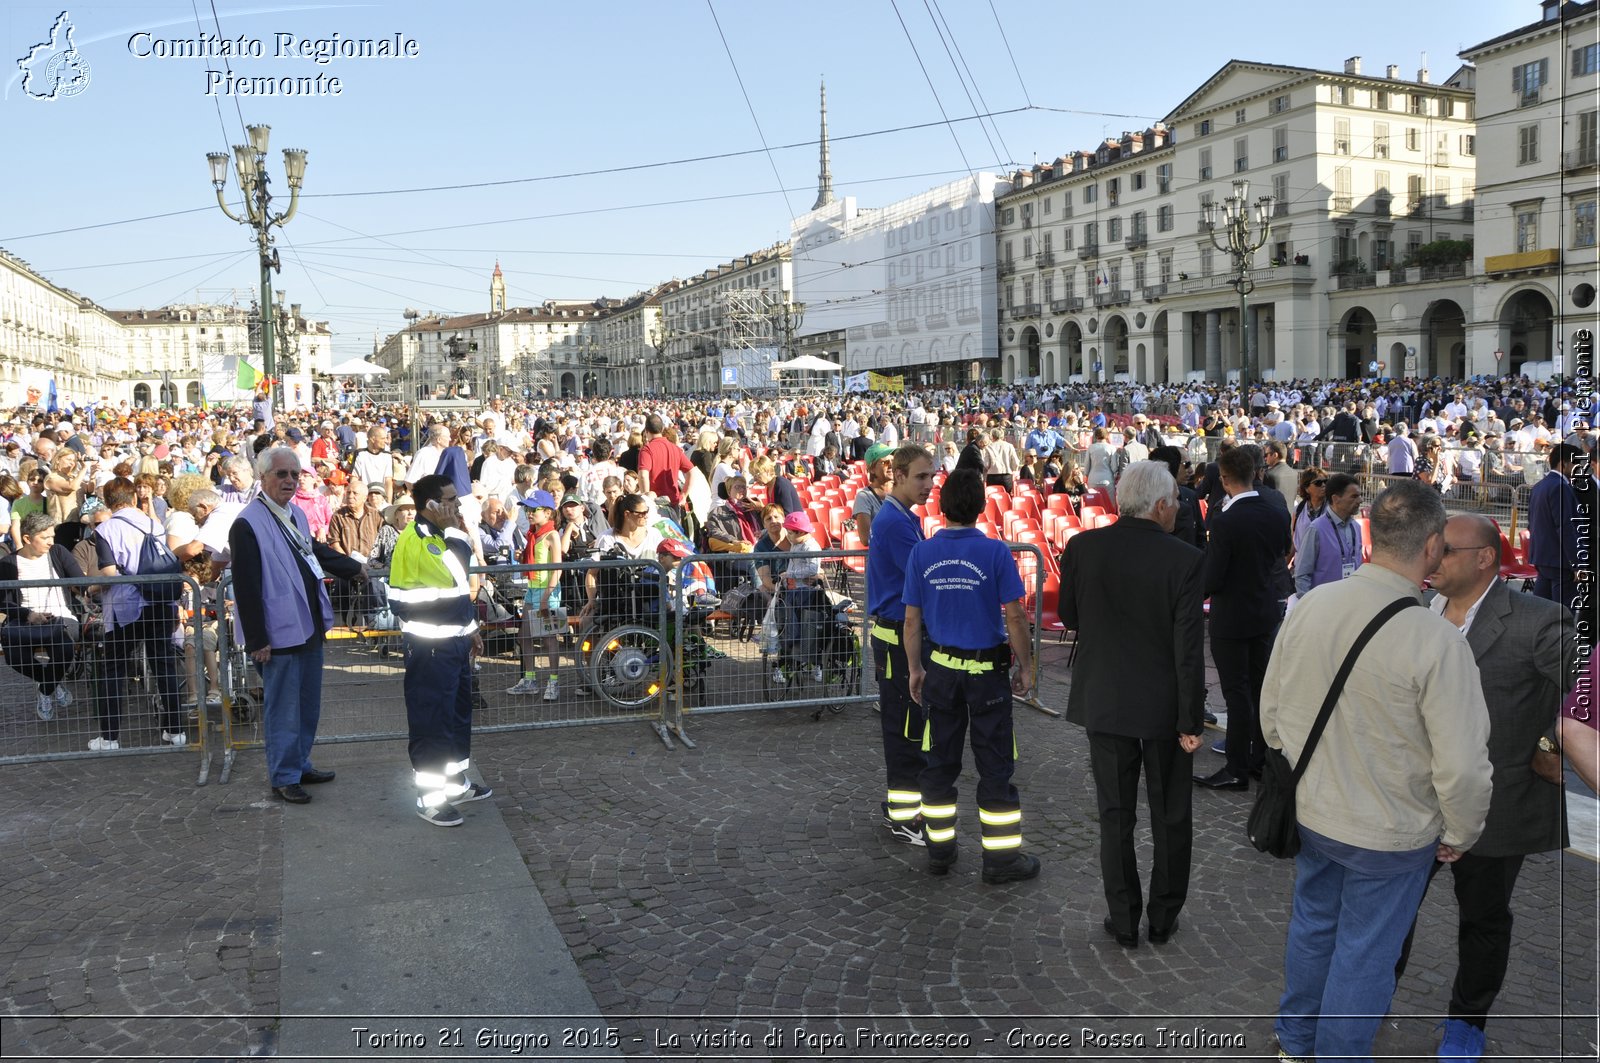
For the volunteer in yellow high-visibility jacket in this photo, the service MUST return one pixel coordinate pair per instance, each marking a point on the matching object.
(432, 595)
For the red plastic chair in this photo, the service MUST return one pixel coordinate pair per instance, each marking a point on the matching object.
(1058, 504)
(837, 515)
(1050, 610)
(1513, 567)
(852, 541)
(931, 524)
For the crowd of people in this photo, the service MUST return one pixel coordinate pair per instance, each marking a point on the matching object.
(1253, 501)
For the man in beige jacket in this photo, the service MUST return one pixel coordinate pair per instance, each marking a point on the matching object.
(1400, 779)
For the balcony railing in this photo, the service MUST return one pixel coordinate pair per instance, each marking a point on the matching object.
(1579, 158)
(1070, 305)
(1136, 240)
(906, 324)
(1007, 267)
(1154, 292)
(1111, 296)
(1044, 259)
(1089, 251)
(938, 321)
(1444, 273)
(1357, 280)
(1023, 310)
(968, 315)
(1342, 204)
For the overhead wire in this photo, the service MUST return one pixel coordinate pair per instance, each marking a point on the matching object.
(947, 38)
(1007, 41)
(748, 104)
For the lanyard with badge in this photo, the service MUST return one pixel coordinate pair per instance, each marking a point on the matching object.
(890, 500)
(1347, 561)
(301, 544)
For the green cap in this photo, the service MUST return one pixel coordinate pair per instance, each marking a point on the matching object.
(878, 451)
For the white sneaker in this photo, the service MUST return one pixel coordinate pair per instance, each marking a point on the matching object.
(63, 696)
(180, 739)
(816, 673)
(213, 700)
(552, 689)
(525, 685)
(778, 678)
(45, 707)
(103, 745)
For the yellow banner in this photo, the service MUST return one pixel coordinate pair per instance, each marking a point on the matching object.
(879, 382)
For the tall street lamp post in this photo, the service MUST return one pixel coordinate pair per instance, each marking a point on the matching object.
(1233, 217)
(250, 166)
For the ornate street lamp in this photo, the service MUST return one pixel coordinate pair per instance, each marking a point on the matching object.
(250, 167)
(1232, 218)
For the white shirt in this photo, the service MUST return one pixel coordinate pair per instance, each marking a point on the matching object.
(1440, 601)
(1234, 498)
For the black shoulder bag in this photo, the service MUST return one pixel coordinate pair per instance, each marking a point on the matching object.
(1272, 826)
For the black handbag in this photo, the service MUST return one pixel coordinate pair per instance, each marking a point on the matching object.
(1272, 826)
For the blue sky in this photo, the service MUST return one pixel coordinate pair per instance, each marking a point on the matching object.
(527, 94)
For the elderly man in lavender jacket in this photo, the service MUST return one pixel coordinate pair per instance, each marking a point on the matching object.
(282, 610)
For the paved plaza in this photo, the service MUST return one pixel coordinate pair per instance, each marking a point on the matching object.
(616, 898)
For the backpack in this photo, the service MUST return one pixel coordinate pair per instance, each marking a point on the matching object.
(156, 559)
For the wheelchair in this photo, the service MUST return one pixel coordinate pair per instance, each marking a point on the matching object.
(818, 650)
(620, 650)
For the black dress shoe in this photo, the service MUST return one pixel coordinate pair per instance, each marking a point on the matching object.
(1255, 773)
(312, 777)
(1021, 869)
(1211, 717)
(1160, 937)
(1222, 779)
(294, 793)
(1127, 941)
(941, 863)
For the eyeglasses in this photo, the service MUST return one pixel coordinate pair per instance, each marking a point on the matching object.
(1448, 549)
(640, 512)
(284, 474)
(1319, 483)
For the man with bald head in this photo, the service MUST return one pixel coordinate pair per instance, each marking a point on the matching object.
(1525, 665)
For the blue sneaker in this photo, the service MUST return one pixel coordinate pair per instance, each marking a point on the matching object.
(1220, 746)
(1462, 1040)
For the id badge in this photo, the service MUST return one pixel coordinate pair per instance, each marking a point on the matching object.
(1346, 569)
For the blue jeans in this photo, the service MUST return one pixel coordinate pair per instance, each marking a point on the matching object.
(1345, 934)
(293, 689)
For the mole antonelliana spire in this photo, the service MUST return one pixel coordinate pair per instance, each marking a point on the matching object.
(825, 177)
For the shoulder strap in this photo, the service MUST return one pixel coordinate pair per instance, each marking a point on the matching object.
(1337, 686)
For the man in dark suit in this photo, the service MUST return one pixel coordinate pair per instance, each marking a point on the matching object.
(1134, 594)
(1189, 526)
(1552, 506)
(1249, 542)
(1525, 664)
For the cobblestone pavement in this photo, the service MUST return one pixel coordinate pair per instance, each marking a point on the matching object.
(741, 886)
(750, 876)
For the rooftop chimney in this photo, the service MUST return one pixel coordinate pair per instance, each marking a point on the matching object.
(1392, 71)
(1352, 65)
(1422, 75)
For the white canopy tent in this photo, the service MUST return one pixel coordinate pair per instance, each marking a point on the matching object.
(358, 367)
(800, 374)
(808, 363)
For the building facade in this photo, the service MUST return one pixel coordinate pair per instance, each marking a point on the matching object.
(1538, 185)
(631, 340)
(548, 351)
(911, 285)
(52, 333)
(733, 314)
(1107, 270)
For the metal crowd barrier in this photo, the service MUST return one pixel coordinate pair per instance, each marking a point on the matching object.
(659, 657)
(363, 695)
(825, 668)
(89, 708)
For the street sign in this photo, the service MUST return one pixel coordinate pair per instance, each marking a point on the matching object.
(1499, 354)
(730, 376)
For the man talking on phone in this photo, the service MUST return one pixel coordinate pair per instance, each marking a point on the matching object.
(431, 593)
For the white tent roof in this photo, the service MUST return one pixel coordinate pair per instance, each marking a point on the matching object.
(357, 367)
(808, 363)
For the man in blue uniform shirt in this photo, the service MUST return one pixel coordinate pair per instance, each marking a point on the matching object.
(895, 530)
(959, 584)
